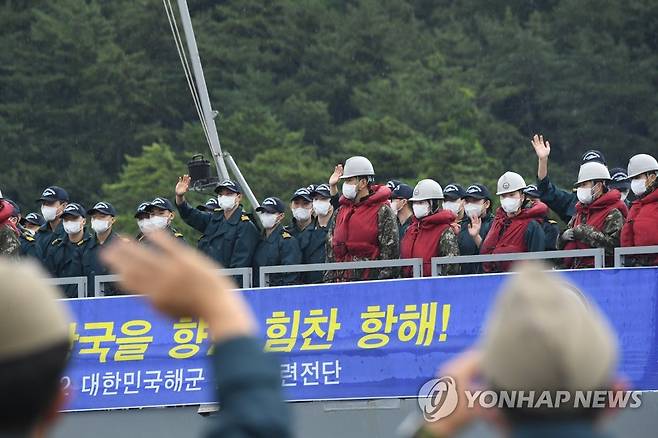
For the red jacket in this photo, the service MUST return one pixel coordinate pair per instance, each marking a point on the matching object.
(6, 211)
(641, 227)
(422, 238)
(507, 234)
(593, 215)
(356, 233)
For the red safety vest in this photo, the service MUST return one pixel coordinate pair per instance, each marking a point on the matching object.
(422, 238)
(593, 215)
(641, 227)
(356, 233)
(507, 234)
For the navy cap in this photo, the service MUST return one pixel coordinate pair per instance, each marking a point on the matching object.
(311, 187)
(210, 205)
(35, 219)
(453, 191)
(619, 179)
(478, 191)
(161, 203)
(593, 155)
(392, 184)
(532, 190)
(102, 208)
(233, 186)
(303, 193)
(322, 190)
(142, 209)
(54, 193)
(74, 209)
(17, 209)
(401, 191)
(272, 205)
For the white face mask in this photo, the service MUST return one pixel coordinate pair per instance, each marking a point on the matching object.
(584, 195)
(510, 205)
(159, 222)
(349, 190)
(145, 225)
(452, 206)
(639, 186)
(395, 205)
(321, 207)
(421, 210)
(48, 213)
(473, 210)
(72, 227)
(100, 226)
(226, 202)
(301, 213)
(268, 220)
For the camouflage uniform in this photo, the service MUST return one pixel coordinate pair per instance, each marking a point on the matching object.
(389, 248)
(10, 246)
(607, 238)
(449, 247)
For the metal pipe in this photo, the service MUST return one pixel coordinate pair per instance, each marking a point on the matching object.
(243, 182)
(200, 80)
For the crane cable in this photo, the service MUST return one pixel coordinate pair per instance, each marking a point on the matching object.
(186, 66)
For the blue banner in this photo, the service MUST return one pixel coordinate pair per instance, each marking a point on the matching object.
(352, 340)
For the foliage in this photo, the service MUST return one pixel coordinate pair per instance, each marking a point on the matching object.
(424, 88)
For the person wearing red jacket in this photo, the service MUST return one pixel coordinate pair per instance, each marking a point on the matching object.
(432, 231)
(600, 215)
(640, 228)
(364, 226)
(517, 224)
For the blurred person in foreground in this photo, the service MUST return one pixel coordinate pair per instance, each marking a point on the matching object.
(523, 347)
(35, 329)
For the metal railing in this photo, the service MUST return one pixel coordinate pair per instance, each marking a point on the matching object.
(265, 271)
(80, 281)
(621, 253)
(244, 273)
(597, 253)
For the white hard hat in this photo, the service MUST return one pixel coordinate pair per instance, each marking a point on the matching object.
(357, 166)
(427, 189)
(591, 171)
(510, 182)
(641, 163)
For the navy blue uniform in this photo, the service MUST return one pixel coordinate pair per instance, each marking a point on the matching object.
(402, 228)
(29, 246)
(44, 239)
(231, 242)
(92, 265)
(279, 248)
(312, 243)
(64, 259)
(562, 202)
(551, 232)
(467, 245)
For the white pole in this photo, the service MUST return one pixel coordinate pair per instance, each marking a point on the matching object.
(200, 80)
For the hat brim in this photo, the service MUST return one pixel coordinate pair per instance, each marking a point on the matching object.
(43, 199)
(157, 207)
(304, 197)
(267, 209)
(452, 197)
(477, 196)
(233, 189)
(96, 210)
(69, 213)
(323, 194)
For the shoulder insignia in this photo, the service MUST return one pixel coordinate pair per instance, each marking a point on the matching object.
(29, 238)
(244, 218)
(551, 221)
(178, 235)
(82, 242)
(286, 235)
(216, 210)
(56, 242)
